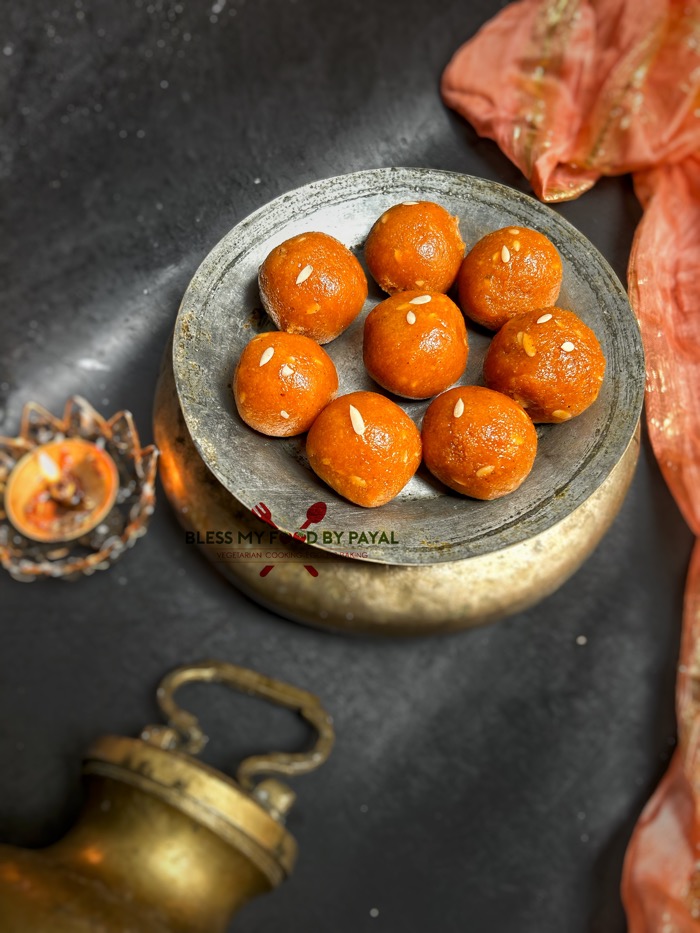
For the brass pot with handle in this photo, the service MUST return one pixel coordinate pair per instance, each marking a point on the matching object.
(165, 843)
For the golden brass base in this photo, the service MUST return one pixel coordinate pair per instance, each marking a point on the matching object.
(358, 596)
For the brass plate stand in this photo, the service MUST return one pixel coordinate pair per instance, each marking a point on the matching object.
(360, 596)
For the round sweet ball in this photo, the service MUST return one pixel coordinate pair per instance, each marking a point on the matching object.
(312, 285)
(478, 442)
(549, 362)
(282, 382)
(415, 344)
(507, 272)
(365, 447)
(416, 244)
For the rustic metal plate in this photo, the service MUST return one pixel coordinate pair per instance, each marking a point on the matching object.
(426, 523)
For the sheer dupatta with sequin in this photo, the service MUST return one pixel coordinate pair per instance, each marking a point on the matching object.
(572, 90)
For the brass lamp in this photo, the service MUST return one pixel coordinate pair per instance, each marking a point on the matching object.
(165, 843)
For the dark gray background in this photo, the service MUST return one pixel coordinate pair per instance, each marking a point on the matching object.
(485, 781)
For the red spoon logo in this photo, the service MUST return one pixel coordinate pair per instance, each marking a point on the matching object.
(314, 514)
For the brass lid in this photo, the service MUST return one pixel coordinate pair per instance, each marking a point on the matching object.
(247, 815)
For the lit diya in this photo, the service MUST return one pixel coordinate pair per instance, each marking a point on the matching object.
(76, 491)
(62, 490)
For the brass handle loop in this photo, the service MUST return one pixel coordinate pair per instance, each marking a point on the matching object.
(185, 734)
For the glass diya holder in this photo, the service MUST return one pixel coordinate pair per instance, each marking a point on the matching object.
(77, 491)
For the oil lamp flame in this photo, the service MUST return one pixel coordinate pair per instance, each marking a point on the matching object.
(48, 467)
(63, 487)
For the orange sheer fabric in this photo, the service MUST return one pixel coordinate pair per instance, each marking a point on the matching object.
(572, 90)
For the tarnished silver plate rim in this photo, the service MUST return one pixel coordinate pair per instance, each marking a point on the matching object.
(426, 523)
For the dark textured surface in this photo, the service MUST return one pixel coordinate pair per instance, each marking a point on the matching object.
(487, 780)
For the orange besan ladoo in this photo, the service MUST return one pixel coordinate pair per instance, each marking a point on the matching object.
(478, 442)
(365, 447)
(549, 362)
(282, 382)
(312, 285)
(415, 344)
(416, 244)
(507, 272)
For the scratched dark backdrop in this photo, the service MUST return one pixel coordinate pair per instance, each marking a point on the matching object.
(486, 780)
